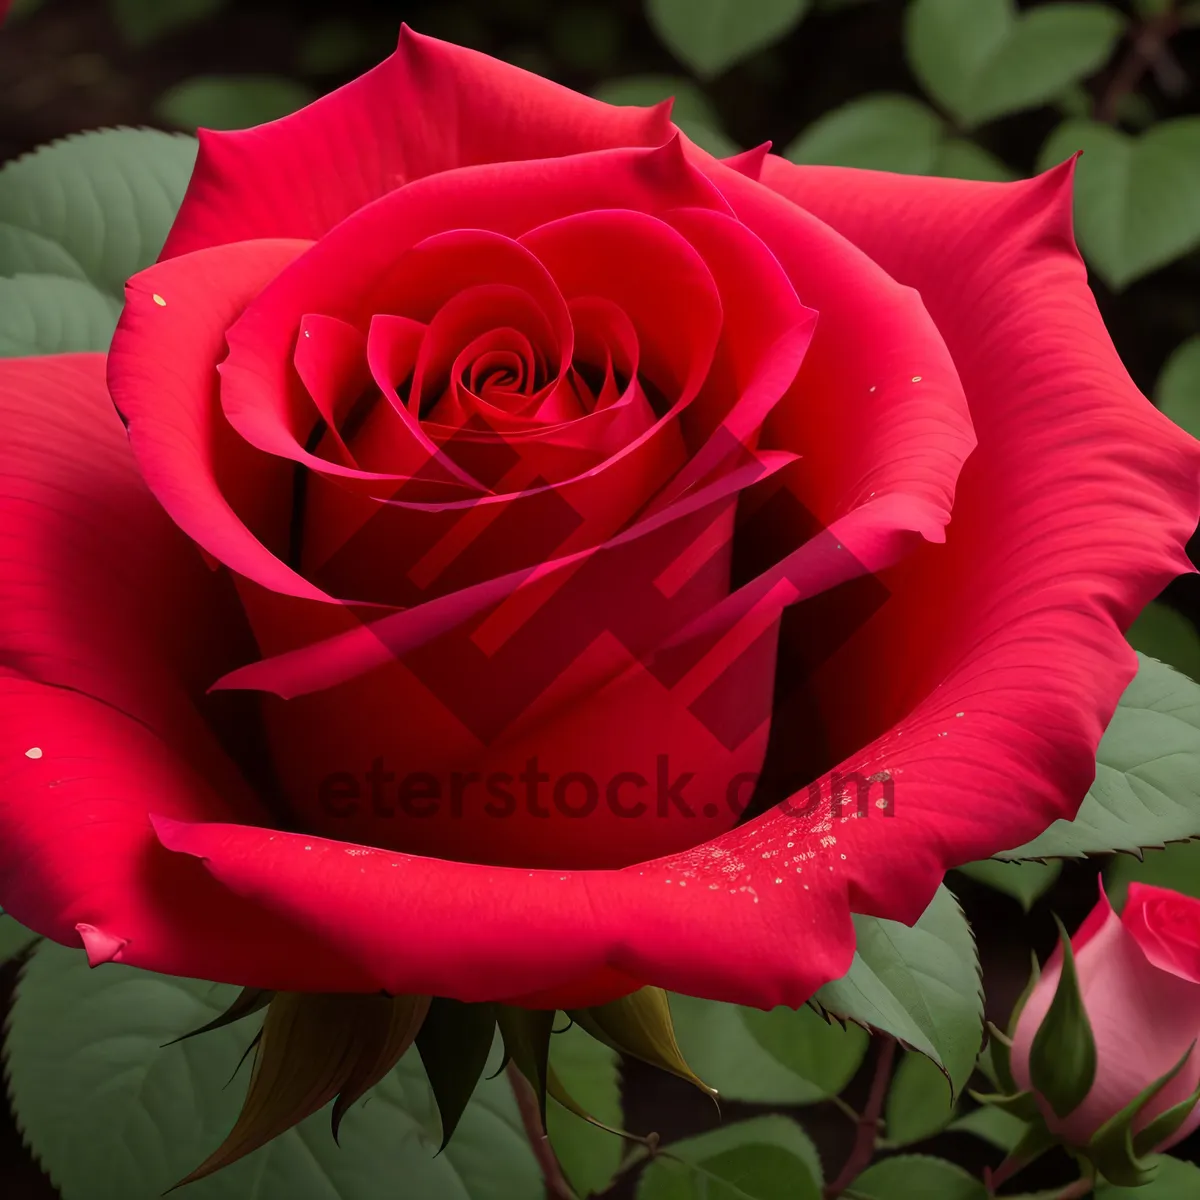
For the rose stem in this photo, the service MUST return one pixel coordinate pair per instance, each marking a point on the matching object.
(556, 1182)
(868, 1124)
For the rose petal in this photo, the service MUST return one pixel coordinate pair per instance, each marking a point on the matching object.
(983, 685)
(162, 374)
(1167, 927)
(431, 107)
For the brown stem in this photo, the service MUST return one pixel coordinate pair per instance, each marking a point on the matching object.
(863, 1149)
(557, 1186)
(1148, 46)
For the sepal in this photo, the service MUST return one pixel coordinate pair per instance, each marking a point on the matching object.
(526, 1033)
(455, 1042)
(247, 1002)
(640, 1026)
(314, 1048)
(1062, 1058)
(1112, 1148)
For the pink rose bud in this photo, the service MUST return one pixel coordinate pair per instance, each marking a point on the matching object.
(1129, 1026)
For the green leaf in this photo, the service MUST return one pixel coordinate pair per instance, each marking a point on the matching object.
(1062, 1058)
(1176, 867)
(15, 939)
(885, 131)
(333, 46)
(1147, 789)
(141, 21)
(918, 1103)
(1137, 199)
(645, 90)
(112, 1116)
(889, 131)
(1177, 392)
(711, 35)
(48, 314)
(1161, 632)
(692, 110)
(767, 1158)
(589, 1156)
(1024, 882)
(785, 1056)
(1174, 1179)
(919, 984)
(990, 1124)
(916, 1177)
(93, 207)
(980, 59)
(958, 158)
(231, 101)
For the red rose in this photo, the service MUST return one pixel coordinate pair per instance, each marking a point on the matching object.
(521, 436)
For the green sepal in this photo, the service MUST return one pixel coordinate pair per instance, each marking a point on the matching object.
(1111, 1147)
(1022, 1105)
(999, 1047)
(557, 1092)
(454, 1043)
(1164, 1125)
(1062, 1059)
(1035, 1141)
(526, 1033)
(640, 1026)
(313, 1048)
(999, 1053)
(247, 1001)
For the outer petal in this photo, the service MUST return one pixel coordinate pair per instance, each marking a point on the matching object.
(99, 592)
(109, 623)
(988, 678)
(430, 107)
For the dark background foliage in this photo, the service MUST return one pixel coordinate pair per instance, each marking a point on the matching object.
(68, 65)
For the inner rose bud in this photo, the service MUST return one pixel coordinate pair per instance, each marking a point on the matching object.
(490, 414)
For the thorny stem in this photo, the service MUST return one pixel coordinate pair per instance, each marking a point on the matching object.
(868, 1124)
(556, 1182)
(1149, 48)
